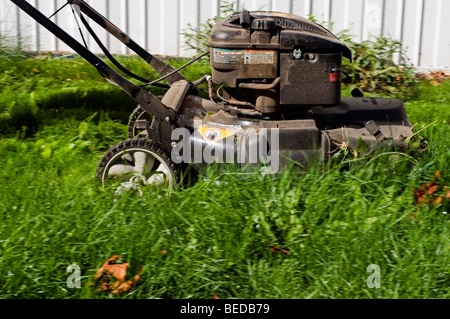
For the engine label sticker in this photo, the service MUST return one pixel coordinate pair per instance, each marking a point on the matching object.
(259, 57)
(226, 56)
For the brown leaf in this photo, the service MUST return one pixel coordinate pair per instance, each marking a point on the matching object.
(437, 175)
(117, 271)
(435, 83)
(215, 296)
(275, 249)
(432, 189)
(420, 194)
(411, 216)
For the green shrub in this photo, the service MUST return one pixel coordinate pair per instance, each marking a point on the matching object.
(375, 70)
(196, 38)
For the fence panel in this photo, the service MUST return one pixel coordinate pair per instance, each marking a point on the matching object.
(158, 25)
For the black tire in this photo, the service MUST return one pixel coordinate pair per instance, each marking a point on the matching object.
(120, 164)
(138, 114)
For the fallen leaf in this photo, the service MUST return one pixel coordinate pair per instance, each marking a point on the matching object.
(435, 83)
(275, 249)
(110, 270)
(432, 189)
(215, 296)
(420, 194)
(116, 270)
(411, 216)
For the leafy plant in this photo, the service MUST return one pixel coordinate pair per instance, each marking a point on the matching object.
(196, 38)
(375, 69)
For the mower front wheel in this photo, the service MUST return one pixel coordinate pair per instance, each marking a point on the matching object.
(137, 115)
(135, 163)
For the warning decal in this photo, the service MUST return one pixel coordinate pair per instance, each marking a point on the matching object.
(259, 57)
(214, 133)
(226, 56)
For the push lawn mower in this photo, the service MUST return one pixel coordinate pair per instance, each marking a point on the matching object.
(274, 95)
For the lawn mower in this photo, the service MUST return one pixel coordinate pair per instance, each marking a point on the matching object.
(274, 96)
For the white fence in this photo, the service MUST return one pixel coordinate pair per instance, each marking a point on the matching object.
(423, 26)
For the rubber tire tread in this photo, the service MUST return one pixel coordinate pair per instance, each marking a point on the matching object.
(136, 115)
(139, 143)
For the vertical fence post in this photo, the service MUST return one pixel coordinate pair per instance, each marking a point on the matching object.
(19, 35)
(383, 15)
(308, 7)
(437, 33)
(400, 22)
(419, 31)
(36, 27)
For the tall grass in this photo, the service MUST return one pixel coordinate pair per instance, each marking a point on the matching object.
(218, 238)
(34, 90)
(215, 238)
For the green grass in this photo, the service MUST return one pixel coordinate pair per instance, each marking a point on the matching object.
(35, 91)
(334, 221)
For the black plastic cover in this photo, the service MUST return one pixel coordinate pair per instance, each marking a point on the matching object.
(288, 31)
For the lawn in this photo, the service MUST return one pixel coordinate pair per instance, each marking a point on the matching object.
(305, 233)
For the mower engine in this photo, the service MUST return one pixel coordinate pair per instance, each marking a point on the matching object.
(272, 70)
(253, 53)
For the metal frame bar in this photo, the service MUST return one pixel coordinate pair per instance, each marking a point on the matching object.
(146, 100)
(159, 66)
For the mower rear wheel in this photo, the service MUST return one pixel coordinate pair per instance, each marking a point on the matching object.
(138, 114)
(134, 163)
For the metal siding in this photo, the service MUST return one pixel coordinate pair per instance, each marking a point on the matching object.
(428, 33)
(339, 15)
(188, 17)
(301, 7)
(170, 41)
(442, 45)
(421, 25)
(281, 5)
(355, 18)
(154, 32)
(321, 10)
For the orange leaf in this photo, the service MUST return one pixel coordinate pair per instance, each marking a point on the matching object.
(274, 249)
(118, 271)
(420, 194)
(434, 82)
(215, 296)
(437, 175)
(432, 189)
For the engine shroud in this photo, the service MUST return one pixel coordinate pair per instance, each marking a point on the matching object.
(251, 51)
